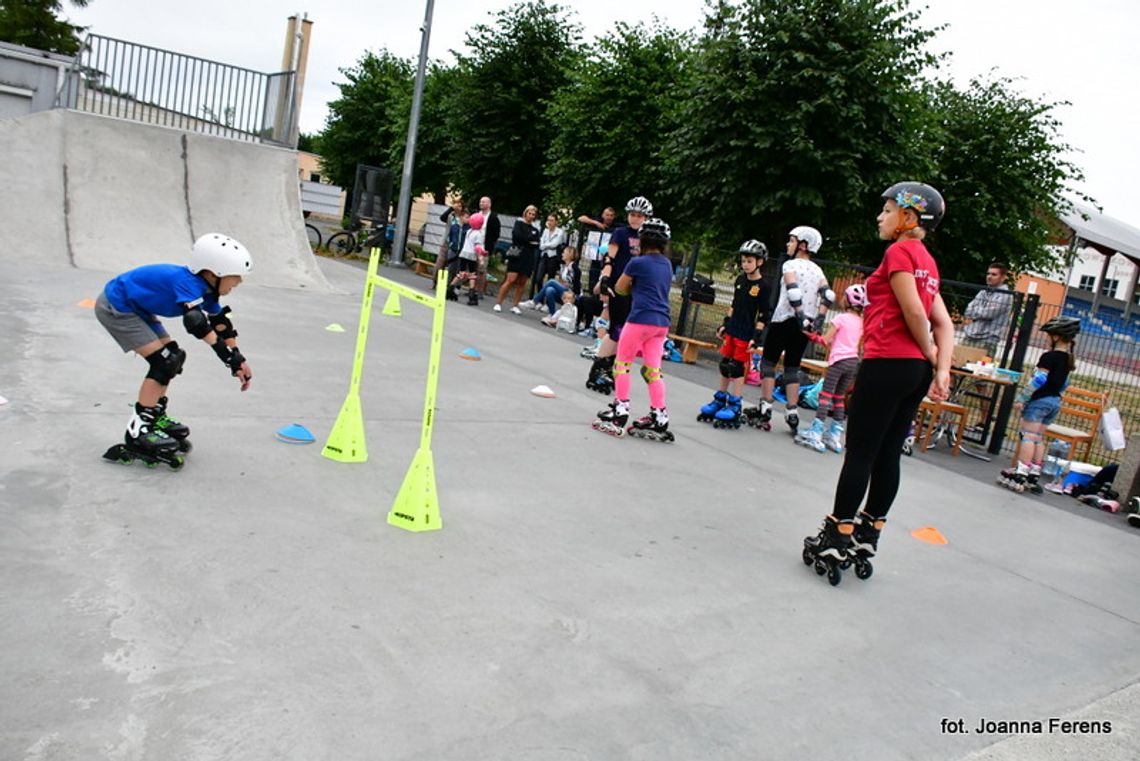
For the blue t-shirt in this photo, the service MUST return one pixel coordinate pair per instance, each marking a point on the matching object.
(628, 245)
(652, 278)
(160, 290)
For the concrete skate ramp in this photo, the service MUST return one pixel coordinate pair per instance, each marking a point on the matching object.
(108, 194)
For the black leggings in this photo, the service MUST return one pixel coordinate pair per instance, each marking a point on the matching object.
(887, 393)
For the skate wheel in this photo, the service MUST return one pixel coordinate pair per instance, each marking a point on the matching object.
(864, 570)
(176, 463)
(808, 559)
(820, 568)
(152, 465)
(185, 446)
(834, 576)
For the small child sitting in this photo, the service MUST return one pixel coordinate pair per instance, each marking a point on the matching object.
(566, 318)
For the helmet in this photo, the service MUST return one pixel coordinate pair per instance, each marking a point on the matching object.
(753, 248)
(856, 295)
(654, 231)
(808, 235)
(1063, 327)
(926, 202)
(475, 221)
(640, 204)
(219, 254)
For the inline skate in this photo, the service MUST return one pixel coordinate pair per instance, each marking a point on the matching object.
(729, 415)
(600, 379)
(812, 438)
(865, 543)
(654, 426)
(828, 550)
(760, 416)
(708, 412)
(612, 420)
(908, 442)
(792, 418)
(1014, 479)
(833, 439)
(142, 442)
(172, 427)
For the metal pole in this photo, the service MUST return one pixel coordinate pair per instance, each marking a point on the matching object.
(404, 208)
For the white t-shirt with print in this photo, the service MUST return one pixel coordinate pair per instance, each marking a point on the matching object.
(474, 238)
(810, 277)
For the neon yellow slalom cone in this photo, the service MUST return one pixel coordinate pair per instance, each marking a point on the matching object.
(346, 440)
(417, 505)
(392, 305)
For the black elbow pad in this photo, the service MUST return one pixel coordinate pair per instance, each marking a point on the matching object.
(196, 323)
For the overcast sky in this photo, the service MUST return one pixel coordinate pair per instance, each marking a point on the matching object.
(1086, 53)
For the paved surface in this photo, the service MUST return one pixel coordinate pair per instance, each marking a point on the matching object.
(588, 598)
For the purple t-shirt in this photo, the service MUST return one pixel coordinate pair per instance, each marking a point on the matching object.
(652, 278)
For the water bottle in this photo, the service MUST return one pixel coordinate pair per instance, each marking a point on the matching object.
(1056, 463)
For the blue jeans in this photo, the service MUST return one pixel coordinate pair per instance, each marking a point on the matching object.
(551, 294)
(1043, 410)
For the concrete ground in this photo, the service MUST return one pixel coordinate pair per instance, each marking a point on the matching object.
(587, 598)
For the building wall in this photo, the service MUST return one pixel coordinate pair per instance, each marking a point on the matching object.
(29, 79)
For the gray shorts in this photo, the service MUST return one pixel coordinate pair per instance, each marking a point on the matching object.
(128, 329)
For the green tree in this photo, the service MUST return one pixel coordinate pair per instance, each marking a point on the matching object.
(499, 124)
(364, 123)
(432, 172)
(800, 112)
(1002, 170)
(36, 24)
(611, 116)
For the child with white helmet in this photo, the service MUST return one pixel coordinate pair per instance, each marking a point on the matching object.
(129, 308)
(804, 299)
(842, 339)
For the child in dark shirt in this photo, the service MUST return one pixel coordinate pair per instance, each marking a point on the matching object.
(646, 281)
(129, 308)
(1040, 401)
(741, 335)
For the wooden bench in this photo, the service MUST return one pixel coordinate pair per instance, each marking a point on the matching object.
(691, 347)
(423, 267)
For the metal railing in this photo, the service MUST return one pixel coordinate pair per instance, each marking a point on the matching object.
(138, 82)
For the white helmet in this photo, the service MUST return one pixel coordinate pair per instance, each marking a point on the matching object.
(641, 205)
(808, 235)
(219, 254)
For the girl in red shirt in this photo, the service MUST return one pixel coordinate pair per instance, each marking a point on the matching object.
(901, 363)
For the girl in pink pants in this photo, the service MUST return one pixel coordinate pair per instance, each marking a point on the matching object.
(647, 278)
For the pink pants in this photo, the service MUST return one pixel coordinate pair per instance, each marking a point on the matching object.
(649, 342)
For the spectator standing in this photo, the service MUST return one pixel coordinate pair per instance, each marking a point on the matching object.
(452, 239)
(549, 253)
(492, 228)
(989, 313)
(605, 225)
(520, 259)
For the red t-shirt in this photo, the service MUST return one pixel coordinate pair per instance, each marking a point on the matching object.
(885, 334)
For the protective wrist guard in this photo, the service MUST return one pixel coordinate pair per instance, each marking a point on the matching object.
(231, 358)
(222, 324)
(817, 323)
(804, 321)
(757, 337)
(604, 285)
(726, 321)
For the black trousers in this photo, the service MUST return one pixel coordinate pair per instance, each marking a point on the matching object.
(887, 394)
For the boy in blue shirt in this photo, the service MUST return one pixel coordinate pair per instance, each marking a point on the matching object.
(129, 308)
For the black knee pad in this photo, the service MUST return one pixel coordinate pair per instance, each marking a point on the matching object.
(731, 368)
(767, 368)
(792, 374)
(166, 363)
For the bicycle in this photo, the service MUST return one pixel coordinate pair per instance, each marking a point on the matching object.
(362, 240)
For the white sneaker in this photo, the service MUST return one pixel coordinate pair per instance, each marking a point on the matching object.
(516, 310)
(497, 308)
(528, 304)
